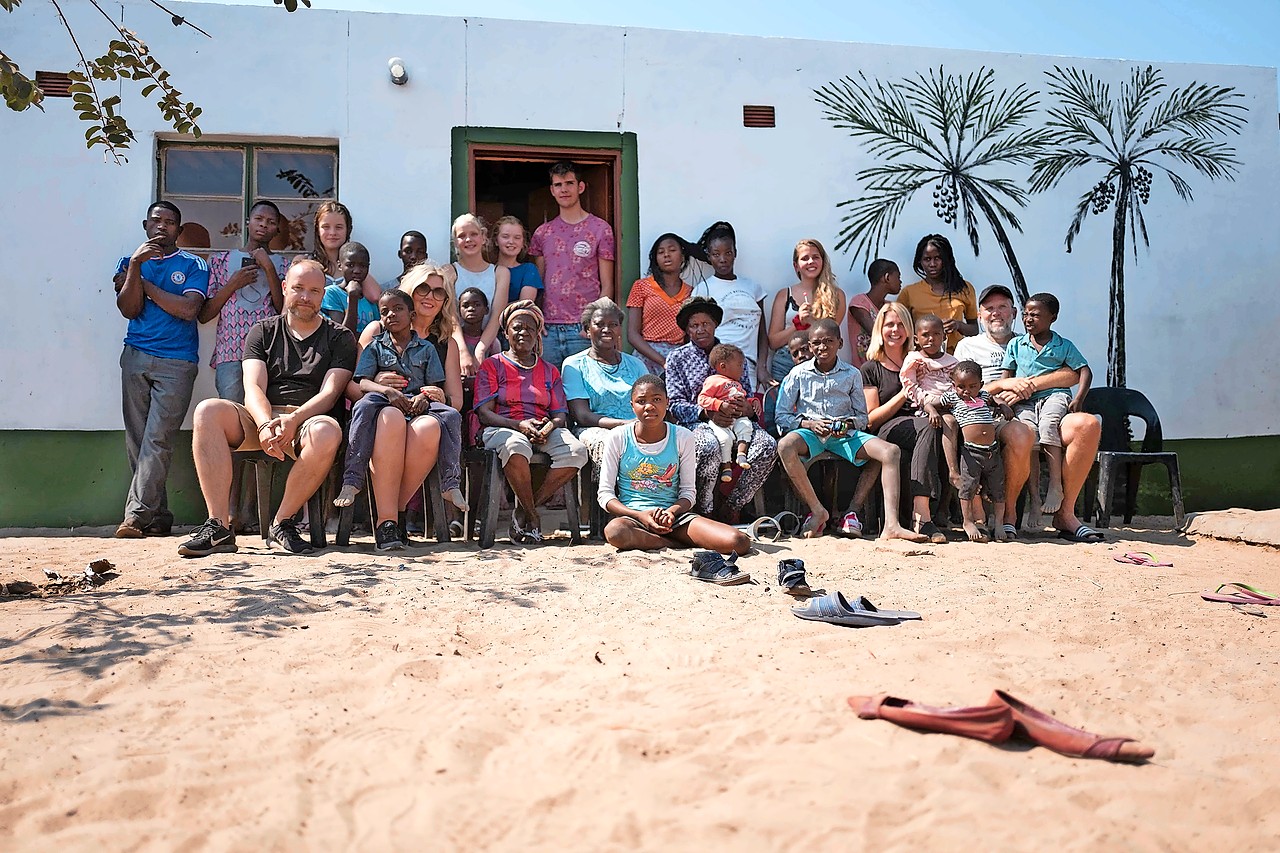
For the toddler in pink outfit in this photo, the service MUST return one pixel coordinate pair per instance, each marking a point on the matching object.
(724, 385)
(926, 376)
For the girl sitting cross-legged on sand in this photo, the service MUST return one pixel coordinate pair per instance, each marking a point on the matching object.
(647, 482)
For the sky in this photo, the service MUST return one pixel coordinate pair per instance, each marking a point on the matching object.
(1227, 32)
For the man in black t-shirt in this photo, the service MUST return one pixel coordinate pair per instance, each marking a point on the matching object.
(296, 366)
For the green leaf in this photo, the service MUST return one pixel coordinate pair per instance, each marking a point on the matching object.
(148, 89)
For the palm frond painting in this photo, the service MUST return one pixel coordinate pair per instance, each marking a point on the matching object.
(956, 134)
(1145, 130)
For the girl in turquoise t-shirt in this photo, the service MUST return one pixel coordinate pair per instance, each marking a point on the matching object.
(647, 482)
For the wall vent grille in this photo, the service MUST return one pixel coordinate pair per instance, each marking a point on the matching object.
(756, 115)
(54, 84)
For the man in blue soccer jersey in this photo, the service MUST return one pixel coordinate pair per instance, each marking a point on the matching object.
(159, 290)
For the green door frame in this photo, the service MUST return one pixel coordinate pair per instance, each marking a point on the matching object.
(628, 236)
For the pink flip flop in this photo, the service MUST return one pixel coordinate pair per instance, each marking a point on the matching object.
(1244, 594)
(1142, 558)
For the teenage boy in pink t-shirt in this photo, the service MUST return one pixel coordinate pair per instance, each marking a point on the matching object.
(575, 256)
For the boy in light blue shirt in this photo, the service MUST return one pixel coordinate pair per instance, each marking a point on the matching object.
(1040, 351)
(821, 407)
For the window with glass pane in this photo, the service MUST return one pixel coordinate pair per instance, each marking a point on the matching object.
(215, 184)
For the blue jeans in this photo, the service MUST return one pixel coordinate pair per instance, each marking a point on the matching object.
(562, 341)
(363, 431)
(155, 394)
(228, 378)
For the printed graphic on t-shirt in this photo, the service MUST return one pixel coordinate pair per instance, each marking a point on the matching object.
(647, 477)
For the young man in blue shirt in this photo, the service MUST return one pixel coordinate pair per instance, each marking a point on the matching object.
(159, 290)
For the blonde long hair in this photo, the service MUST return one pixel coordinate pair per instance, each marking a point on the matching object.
(825, 289)
(875, 349)
(445, 322)
(480, 224)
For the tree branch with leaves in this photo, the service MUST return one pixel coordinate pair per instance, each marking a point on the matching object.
(127, 57)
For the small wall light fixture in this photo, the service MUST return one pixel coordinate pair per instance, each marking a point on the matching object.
(398, 75)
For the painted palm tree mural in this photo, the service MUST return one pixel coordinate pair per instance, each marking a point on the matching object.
(1132, 138)
(956, 134)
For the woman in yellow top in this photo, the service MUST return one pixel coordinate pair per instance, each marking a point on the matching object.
(941, 290)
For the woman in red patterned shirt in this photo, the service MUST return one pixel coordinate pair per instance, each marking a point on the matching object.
(521, 404)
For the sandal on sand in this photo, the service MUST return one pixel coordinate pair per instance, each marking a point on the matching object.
(713, 568)
(834, 609)
(1244, 594)
(1050, 733)
(765, 527)
(850, 525)
(864, 603)
(1083, 533)
(936, 536)
(1142, 558)
(1010, 532)
(788, 522)
(990, 723)
(521, 536)
(791, 577)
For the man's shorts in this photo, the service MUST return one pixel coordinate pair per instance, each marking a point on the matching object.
(981, 466)
(252, 437)
(1045, 416)
(565, 450)
(845, 446)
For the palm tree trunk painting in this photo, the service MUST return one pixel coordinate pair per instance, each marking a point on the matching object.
(1132, 137)
(950, 133)
(956, 134)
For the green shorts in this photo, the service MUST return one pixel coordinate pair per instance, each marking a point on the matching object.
(845, 446)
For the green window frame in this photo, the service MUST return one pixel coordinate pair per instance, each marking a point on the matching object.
(215, 183)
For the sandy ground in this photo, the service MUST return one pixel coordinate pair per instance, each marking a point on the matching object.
(566, 698)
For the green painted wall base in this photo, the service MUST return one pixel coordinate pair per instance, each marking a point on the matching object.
(72, 479)
(1217, 473)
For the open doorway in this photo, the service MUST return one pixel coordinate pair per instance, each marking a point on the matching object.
(513, 181)
(503, 171)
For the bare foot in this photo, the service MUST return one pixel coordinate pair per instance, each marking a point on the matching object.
(454, 496)
(974, 533)
(346, 497)
(1052, 499)
(998, 531)
(899, 532)
(815, 524)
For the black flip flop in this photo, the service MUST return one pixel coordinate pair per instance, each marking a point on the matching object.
(1083, 533)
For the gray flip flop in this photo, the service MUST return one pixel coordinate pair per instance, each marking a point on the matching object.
(864, 603)
(833, 608)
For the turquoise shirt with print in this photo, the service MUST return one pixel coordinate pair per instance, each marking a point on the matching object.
(335, 299)
(1024, 359)
(649, 480)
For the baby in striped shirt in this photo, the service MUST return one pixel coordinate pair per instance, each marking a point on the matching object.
(980, 460)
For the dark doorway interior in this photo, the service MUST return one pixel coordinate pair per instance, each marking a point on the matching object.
(516, 183)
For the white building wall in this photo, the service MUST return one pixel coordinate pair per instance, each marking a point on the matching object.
(321, 75)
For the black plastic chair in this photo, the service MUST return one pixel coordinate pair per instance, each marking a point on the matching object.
(264, 468)
(1116, 406)
(492, 484)
(432, 504)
